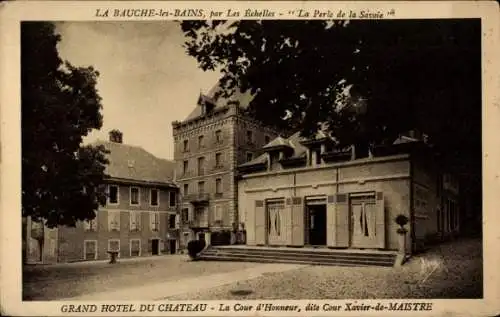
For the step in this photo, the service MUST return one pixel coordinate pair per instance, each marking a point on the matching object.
(289, 261)
(303, 254)
(325, 260)
(302, 251)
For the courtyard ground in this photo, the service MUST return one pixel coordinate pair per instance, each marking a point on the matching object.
(451, 270)
(51, 282)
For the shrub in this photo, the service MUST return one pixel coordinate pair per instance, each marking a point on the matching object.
(195, 247)
(401, 220)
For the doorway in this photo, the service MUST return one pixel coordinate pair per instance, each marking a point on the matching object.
(173, 246)
(155, 246)
(316, 224)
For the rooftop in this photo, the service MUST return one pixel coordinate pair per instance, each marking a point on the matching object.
(133, 163)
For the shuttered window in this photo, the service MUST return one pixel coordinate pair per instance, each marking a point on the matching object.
(154, 218)
(90, 225)
(135, 221)
(114, 220)
(135, 247)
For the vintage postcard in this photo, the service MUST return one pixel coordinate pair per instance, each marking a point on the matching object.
(249, 158)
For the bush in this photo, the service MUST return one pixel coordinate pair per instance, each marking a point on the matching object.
(195, 247)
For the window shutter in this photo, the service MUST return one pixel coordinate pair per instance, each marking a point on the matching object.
(380, 221)
(110, 220)
(330, 222)
(342, 233)
(286, 218)
(297, 221)
(260, 223)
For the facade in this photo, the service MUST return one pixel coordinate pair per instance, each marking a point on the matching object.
(307, 192)
(208, 146)
(140, 217)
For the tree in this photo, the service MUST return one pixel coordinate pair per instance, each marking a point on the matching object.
(59, 106)
(368, 81)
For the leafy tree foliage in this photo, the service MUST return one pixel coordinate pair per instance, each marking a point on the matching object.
(368, 81)
(59, 105)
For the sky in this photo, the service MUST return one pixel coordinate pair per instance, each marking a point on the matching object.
(146, 79)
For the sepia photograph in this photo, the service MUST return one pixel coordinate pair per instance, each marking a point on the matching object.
(177, 161)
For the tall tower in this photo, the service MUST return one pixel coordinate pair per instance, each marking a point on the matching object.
(208, 146)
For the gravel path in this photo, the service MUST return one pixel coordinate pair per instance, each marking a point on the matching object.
(453, 270)
(63, 281)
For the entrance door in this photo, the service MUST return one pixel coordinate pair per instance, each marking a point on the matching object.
(275, 223)
(317, 224)
(363, 223)
(173, 246)
(155, 245)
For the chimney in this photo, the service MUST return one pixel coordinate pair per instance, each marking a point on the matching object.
(115, 136)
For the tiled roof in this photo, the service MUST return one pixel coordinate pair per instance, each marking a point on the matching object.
(277, 142)
(244, 100)
(293, 142)
(133, 163)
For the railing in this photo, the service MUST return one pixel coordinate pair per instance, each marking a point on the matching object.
(198, 197)
(198, 223)
(218, 195)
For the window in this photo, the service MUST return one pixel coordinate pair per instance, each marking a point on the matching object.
(186, 146)
(172, 199)
(201, 165)
(186, 189)
(274, 211)
(249, 137)
(171, 221)
(185, 215)
(201, 187)
(135, 247)
(200, 142)
(135, 221)
(218, 186)
(134, 196)
(185, 167)
(267, 139)
(218, 136)
(90, 225)
(114, 220)
(154, 219)
(90, 249)
(249, 156)
(218, 159)
(114, 245)
(153, 197)
(218, 213)
(113, 194)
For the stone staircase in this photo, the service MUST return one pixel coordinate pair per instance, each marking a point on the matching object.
(307, 256)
